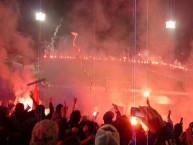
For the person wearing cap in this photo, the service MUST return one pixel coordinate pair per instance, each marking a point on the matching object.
(107, 134)
(45, 132)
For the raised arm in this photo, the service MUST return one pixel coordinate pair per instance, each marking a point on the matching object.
(34, 105)
(116, 110)
(74, 103)
(51, 107)
(152, 119)
(168, 117)
(64, 110)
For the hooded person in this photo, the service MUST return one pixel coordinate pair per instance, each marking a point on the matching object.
(108, 117)
(107, 134)
(44, 132)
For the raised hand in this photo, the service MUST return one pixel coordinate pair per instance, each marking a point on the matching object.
(148, 103)
(115, 106)
(51, 106)
(169, 113)
(168, 117)
(152, 119)
(64, 110)
(117, 110)
(74, 105)
(34, 102)
(75, 100)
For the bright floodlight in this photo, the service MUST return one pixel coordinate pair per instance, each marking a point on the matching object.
(170, 24)
(40, 16)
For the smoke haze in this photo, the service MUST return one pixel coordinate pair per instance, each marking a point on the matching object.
(15, 50)
(105, 29)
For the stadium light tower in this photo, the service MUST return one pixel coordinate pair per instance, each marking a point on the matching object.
(40, 17)
(171, 23)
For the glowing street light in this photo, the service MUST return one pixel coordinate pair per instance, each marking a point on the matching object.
(40, 16)
(171, 24)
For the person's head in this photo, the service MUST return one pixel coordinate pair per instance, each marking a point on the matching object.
(58, 108)
(75, 116)
(19, 108)
(107, 134)
(191, 124)
(108, 117)
(40, 109)
(44, 132)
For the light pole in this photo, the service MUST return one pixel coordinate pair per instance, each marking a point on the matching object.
(171, 26)
(40, 17)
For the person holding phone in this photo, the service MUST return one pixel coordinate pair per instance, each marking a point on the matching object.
(153, 120)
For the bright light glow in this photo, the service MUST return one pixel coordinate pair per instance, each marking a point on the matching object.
(26, 101)
(74, 33)
(134, 121)
(47, 111)
(170, 24)
(146, 93)
(40, 16)
(95, 113)
(163, 100)
(144, 126)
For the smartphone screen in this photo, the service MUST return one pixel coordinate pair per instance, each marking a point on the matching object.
(136, 112)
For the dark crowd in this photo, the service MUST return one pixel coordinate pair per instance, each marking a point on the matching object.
(19, 126)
